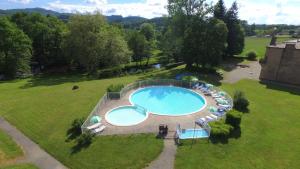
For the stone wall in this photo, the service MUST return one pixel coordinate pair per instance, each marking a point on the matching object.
(282, 64)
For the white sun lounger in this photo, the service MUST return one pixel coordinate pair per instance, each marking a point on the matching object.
(94, 126)
(208, 119)
(213, 116)
(99, 129)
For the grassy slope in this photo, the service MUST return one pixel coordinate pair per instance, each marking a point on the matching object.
(8, 148)
(20, 166)
(43, 108)
(270, 134)
(259, 45)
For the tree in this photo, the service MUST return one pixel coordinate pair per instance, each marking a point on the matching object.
(220, 10)
(236, 35)
(91, 43)
(147, 30)
(46, 33)
(138, 44)
(15, 49)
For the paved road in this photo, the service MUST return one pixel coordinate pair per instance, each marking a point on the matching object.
(33, 153)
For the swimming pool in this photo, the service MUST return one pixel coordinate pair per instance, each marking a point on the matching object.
(168, 100)
(126, 116)
(193, 133)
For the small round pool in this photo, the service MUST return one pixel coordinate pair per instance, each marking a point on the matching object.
(168, 100)
(126, 116)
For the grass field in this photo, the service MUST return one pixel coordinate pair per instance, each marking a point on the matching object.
(8, 148)
(44, 108)
(20, 166)
(269, 134)
(259, 45)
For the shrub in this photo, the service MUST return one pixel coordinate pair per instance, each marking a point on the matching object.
(219, 129)
(234, 118)
(85, 139)
(76, 125)
(240, 101)
(251, 55)
(75, 87)
(115, 88)
(112, 72)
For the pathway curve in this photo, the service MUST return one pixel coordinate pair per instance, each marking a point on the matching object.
(167, 158)
(33, 153)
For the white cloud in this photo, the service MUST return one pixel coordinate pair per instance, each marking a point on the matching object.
(21, 1)
(148, 9)
(254, 11)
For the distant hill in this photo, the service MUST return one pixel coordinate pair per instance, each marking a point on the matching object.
(128, 22)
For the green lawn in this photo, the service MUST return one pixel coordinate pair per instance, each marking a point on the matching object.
(269, 134)
(259, 45)
(20, 166)
(44, 108)
(8, 148)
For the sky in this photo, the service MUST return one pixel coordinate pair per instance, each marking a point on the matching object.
(254, 11)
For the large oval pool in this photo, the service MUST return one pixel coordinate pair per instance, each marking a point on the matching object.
(168, 100)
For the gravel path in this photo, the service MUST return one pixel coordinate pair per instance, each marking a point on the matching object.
(247, 71)
(33, 153)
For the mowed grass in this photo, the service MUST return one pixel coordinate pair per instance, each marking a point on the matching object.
(20, 166)
(8, 148)
(44, 108)
(269, 134)
(259, 45)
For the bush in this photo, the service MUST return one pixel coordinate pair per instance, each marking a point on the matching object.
(75, 87)
(85, 139)
(251, 55)
(234, 118)
(115, 88)
(220, 130)
(112, 72)
(76, 125)
(240, 101)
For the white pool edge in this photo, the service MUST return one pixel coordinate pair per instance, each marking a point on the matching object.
(118, 125)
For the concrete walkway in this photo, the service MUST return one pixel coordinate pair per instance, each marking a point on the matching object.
(167, 158)
(33, 153)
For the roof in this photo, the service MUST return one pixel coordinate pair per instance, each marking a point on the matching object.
(295, 42)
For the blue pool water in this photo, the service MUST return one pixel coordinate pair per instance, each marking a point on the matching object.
(126, 116)
(168, 100)
(191, 133)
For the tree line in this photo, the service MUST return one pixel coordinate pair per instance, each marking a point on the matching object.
(202, 35)
(196, 33)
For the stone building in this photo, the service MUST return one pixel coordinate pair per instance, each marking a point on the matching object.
(282, 63)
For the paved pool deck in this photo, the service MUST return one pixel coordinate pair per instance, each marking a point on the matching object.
(150, 125)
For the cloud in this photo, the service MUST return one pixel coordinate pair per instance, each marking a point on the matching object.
(254, 11)
(21, 1)
(147, 9)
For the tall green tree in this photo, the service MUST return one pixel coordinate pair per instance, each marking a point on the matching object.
(91, 43)
(148, 31)
(46, 33)
(15, 50)
(220, 10)
(236, 35)
(139, 46)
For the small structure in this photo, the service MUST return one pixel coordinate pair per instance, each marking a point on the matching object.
(282, 63)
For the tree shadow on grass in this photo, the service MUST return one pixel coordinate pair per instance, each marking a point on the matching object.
(292, 89)
(72, 134)
(79, 147)
(203, 75)
(232, 63)
(51, 80)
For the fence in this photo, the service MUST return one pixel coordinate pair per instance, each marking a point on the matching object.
(140, 84)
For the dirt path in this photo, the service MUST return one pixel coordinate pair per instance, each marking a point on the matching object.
(33, 153)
